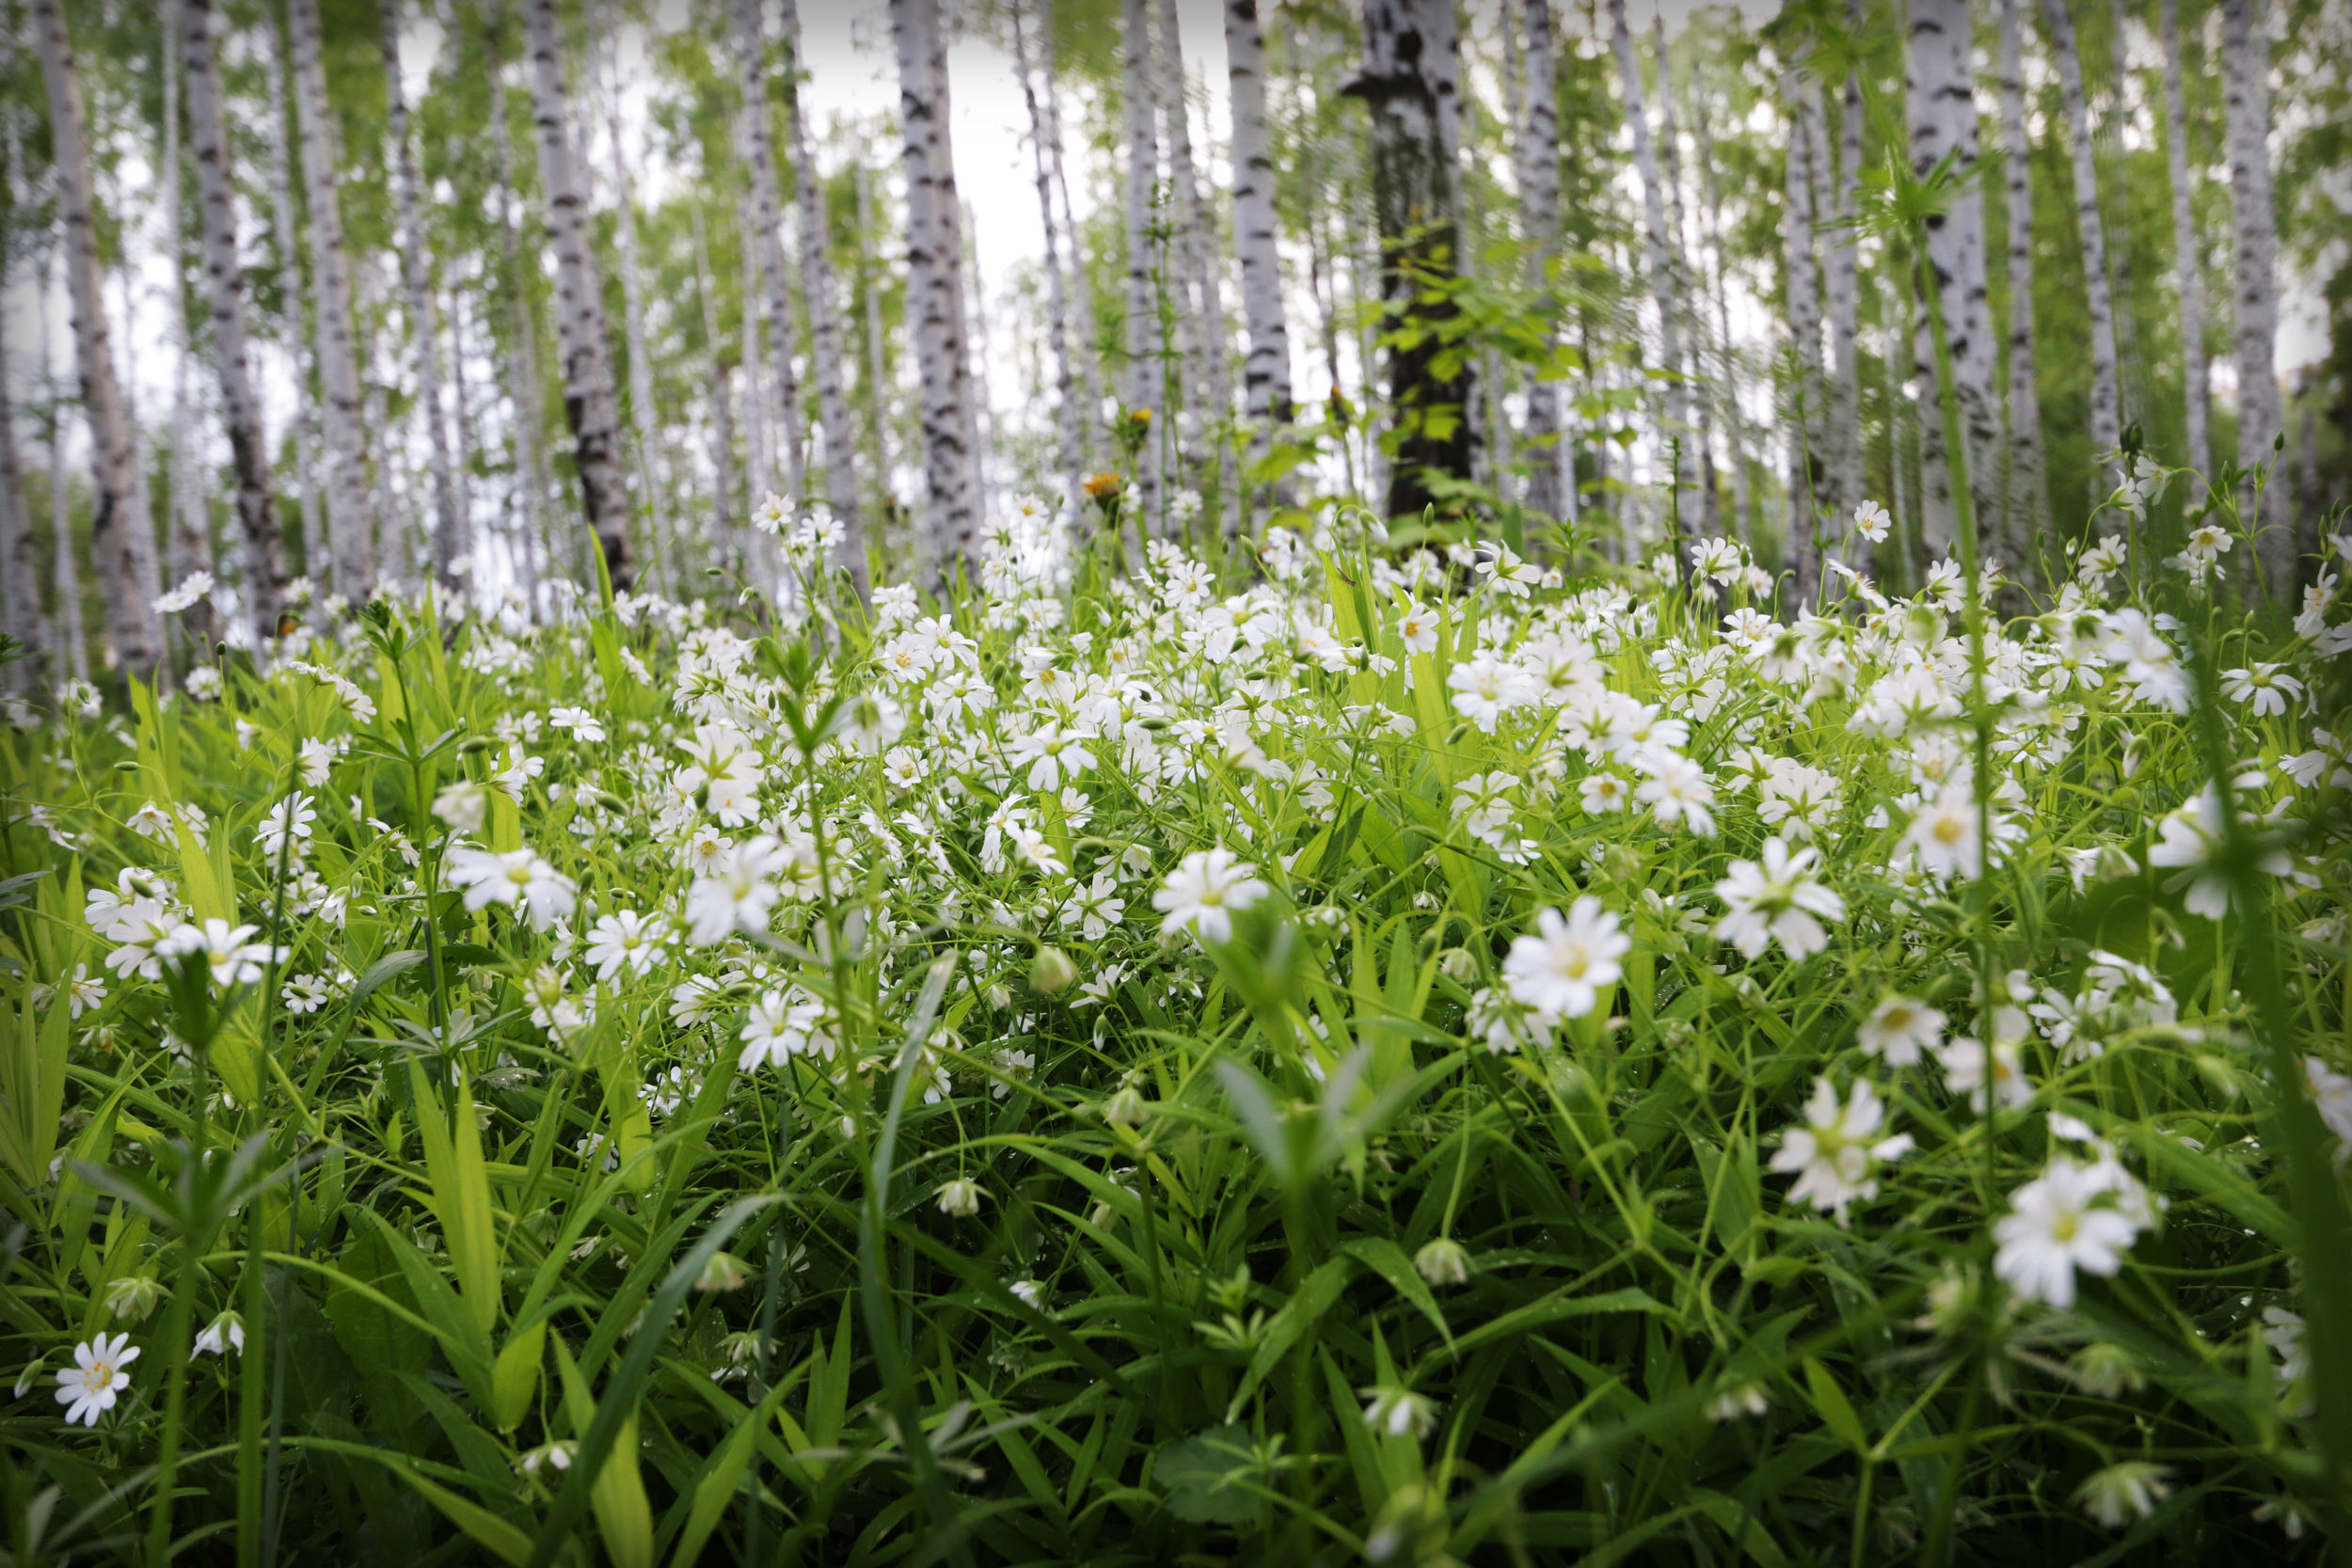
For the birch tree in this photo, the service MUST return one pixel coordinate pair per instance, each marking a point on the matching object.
(2106, 394)
(2245, 97)
(1067, 417)
(1146, 374)
(723, 512)
(1405, 86)
(1658, 263)
(1701, 447)
(2028, 492)
(294, 308)
(2187, 262)
(1726, 380)
(588, 397)
(1802, 289)
(525, 395)
(765, 234)
(642, 422)
(877, 361)
(1841, 287)
(1210, 384)
(115, 532)
(1266, 391)
(1536, 160)
(1942, 111)
(1083, 344)
(187, 533)
(350, 507)
(936, 289)
(423, 310)
(825, 317)
(224, 282)
(19, 594)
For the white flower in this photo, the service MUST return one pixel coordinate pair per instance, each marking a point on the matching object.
(305, 993)
(1945, 834)
(1417, 628)
(1872, 521)
(729, 772)
(84, 991)
(1558, 968)
(2124, 1494)
(627, 940)
(735, 893)
(2191, 838)
(192, 588)
(2264, 686)
(1968, 1066)
(463, 805)
(1838, 1151)
(1095, 907)
(221, 1336)
(316, 760)
(584, 726)
(780, 1026)
(287, 823)
(1399, 1412)
(1775, 901)
(1900, 1030)
(1052, 754)
(1677, 790)
(517, 875)
(2332, 1090)
(231, 957)
(88, 1388)
(696, 1001)
(2056, 1227)
(1200, 894)
(959, 1198)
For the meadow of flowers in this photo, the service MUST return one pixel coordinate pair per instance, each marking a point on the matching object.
(1361, 1052)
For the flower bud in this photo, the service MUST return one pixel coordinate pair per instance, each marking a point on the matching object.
(133, 1297)
(1443, 1262)
(959, 1198)
(1052, 971)
(724, 1271)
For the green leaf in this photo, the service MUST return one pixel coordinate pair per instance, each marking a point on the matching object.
(1209, 1477)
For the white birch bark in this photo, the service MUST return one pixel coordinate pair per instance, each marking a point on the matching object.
(423, 310)
(1803, 289)
(1068, 421)
(1841, 291)
(114, 531)
(724, 513)
(147, 561)
(187, 534)
(1085, 345)
(66, 627)
(936, 289)
(2027, 488)
(1146, 378)
(2106, 394)
(20, 593)
(224, 281)
(1209, 387)
(877, 361)
(1536, 159)
(1266, 392)
(1726, 381)
(825, 319)
(527, 400)
(2245, 76)
(765, 234)
(305, 489)
(1658, 263)
(351, 522)
(1700, 444)
(1943, 121)
(588, 395)
(644, 425)
(758, 380)
(2187, 264)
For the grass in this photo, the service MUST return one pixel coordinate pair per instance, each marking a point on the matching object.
(1330, 1237)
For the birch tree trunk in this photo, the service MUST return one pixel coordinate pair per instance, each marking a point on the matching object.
(115, 533)
(350, 509)
(1841, 285)
(67, 631)
(641, 413)
(526, 397)
(588, 396)
(1803, 289)
(2187, 264)
(1085, 344)
(19, 594)
(1267, 394)
(936, 289)
(187, 533)
(1701, 447)
(1147, 379)
(1896, 333)
(765, 233)
(1209, 387)
(1657, 260)
(423, 310)
(723, 512)
(1726, 379)
(1536, 148)
(2028, 490)
(296, 312)
(877, 359)
(1406, 85)
(2106, 394)
(824, 321)
(224, 281)
(1943, 120)
(2245, 76)
(1067, 418)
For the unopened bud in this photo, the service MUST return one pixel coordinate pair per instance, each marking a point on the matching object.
(1052, 971)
